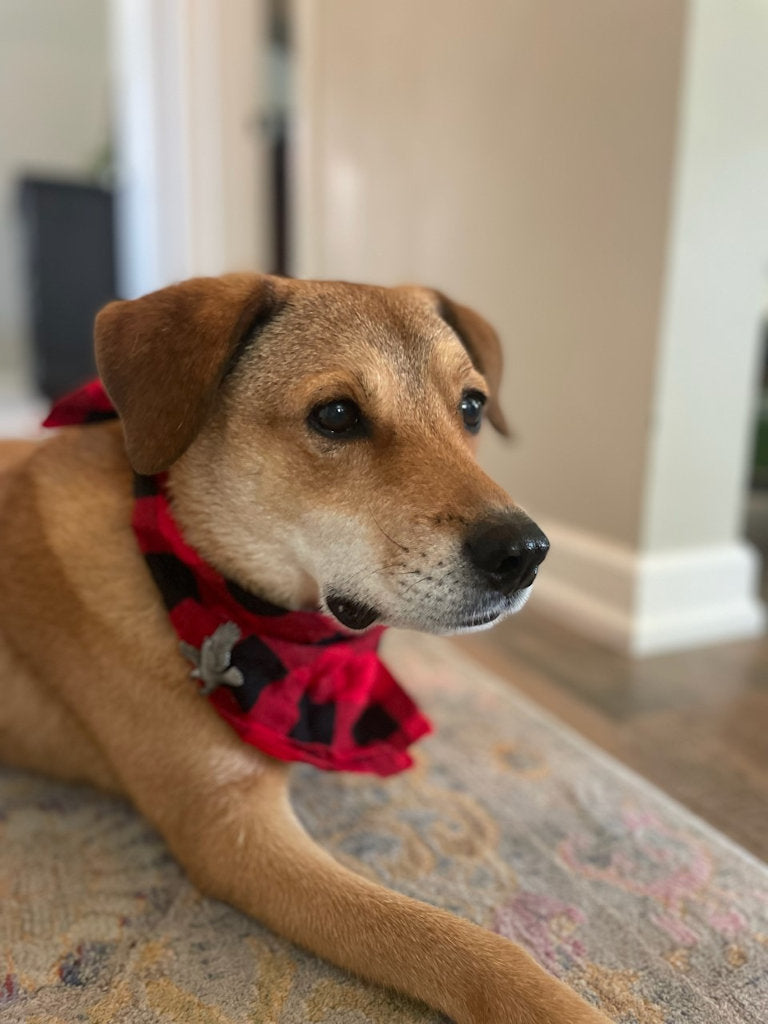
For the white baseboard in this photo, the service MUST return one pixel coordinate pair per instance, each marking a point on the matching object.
(644, 604)
(21, 411)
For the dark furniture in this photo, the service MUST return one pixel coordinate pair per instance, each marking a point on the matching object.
(71, 273)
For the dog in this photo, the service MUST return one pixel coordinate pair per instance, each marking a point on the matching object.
(315, 442)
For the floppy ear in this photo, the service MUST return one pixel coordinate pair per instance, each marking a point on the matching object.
(482, 343)
(163, 356)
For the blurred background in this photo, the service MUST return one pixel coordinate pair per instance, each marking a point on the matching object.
(590, 175)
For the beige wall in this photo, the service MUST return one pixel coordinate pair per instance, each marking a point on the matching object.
(519, 155)
(53, 120)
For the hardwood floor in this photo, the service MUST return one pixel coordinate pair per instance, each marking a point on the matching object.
(694, 723)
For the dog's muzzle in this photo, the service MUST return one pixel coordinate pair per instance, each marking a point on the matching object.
(506, 551)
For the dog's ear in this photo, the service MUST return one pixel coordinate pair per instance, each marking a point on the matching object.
(163, 356)
(482, 343)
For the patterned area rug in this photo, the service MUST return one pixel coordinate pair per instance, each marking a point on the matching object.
(508, 819)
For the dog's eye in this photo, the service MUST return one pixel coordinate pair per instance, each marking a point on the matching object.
(339, 418)
(472, 410)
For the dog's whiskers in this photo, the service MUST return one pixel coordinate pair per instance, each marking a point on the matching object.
(389, 538)
(358, 577)
(422, 579)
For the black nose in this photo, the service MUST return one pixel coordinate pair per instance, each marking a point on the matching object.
(507, 551)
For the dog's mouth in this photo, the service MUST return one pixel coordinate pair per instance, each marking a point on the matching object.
(485, 614)
(350, 613)
(481, 619)
(480, 612)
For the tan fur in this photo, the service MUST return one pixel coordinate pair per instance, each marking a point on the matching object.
(93, 686)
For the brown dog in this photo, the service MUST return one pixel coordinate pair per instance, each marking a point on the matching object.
(319, 443)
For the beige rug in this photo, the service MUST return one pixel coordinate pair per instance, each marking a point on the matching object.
(508, 819)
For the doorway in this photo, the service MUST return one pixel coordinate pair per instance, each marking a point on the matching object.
(757, 500)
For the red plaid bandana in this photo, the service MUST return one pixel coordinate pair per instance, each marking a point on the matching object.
(288, 683)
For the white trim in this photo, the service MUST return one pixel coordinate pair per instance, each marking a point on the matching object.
(708, 363)
(644, 604)
(21, 410)
(191, 170)
(305, 170)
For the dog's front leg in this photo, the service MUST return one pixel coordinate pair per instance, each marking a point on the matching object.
(241, 843)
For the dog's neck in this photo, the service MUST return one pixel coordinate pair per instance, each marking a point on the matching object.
(265, 562)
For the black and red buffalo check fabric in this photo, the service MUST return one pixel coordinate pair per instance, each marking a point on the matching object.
(309, 692)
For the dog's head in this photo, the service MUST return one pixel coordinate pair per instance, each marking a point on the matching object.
(320, 438)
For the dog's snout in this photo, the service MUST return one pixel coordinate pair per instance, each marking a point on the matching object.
(508, 551)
